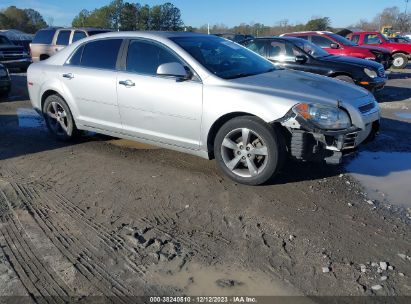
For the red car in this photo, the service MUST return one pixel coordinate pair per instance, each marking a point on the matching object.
(338, 45)
(401, 52)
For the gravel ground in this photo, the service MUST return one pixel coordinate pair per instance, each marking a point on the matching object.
(110, 218)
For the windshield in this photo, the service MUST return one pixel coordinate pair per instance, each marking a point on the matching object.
(342, 40)
(224, 58)
(5, 40)
(310, 48)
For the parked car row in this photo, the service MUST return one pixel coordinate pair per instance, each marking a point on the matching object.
(302, 55)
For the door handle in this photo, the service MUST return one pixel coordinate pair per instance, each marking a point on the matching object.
(68, 75)
(127, 83)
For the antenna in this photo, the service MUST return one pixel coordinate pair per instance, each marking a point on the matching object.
(406, 6)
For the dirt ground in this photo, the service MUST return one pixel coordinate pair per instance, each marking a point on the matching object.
(110, 218)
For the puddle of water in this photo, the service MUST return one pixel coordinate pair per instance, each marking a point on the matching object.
(28, 118)
(405, 115)
(124, 143)
(196, 280)
(384, 175)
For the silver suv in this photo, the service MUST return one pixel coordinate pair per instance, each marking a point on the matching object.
(202, 95)
(49, 41)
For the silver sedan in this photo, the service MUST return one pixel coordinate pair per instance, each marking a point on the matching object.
(202, 95)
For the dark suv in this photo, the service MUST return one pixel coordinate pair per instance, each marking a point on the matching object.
(13, 56)
(300, 54)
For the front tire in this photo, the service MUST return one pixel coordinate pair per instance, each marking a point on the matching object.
(59, 119)
(249, 150)
(400, 61)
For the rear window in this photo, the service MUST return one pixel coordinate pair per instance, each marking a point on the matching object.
(78, 35)
(91, 33)
(101, 54)
(44, 37)
(63, 38)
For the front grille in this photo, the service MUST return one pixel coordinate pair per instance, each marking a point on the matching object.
(349, 140)
(10, 55)
(367, 107)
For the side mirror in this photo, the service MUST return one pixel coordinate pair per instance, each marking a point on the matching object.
(172, 69)
(334, 46)
(301, 59)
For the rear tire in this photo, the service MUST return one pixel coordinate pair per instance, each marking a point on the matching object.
(248, 150)
(400, 61)
(59, 119)
(345, 78)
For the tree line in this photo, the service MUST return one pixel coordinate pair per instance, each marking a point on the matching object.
(26, 20)
(126, 16)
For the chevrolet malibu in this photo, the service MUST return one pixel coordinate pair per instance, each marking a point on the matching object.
(202, 95)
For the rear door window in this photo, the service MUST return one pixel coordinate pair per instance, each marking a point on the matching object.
(44, 37)
(258, 46)
(101, 54)
(63, 38)
(321, 41)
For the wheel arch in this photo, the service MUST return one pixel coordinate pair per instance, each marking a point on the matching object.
(400, 52)
(46, 94)
(335, 74)
(217, 125)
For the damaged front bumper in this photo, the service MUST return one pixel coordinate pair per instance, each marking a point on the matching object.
(307, 142)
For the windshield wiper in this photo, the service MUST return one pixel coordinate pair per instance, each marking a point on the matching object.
(241, 75)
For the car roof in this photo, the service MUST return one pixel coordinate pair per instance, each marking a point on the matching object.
(308, 32)
(289, 38)
(150, 34)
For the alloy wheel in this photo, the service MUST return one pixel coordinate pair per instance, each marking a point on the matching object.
(57, 118)
(244, 152)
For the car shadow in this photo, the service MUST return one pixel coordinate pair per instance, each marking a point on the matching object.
(392, 94)
(399, 75)
(23, 135)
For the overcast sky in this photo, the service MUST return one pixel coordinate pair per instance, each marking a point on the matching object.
(229, 12)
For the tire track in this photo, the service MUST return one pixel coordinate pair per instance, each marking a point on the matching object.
(23, 257)
(76, 250)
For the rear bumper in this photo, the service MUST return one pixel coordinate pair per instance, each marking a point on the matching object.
(17, 63)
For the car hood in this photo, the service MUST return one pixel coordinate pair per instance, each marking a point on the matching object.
(301, 87)
(352, 61)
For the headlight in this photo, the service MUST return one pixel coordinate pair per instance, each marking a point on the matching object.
(323, 116)
(370, 73)
(3, 72)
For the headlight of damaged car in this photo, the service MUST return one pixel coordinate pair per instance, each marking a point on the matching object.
(323, 116)
(370, 73)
